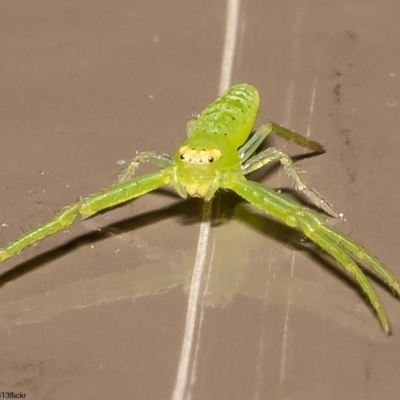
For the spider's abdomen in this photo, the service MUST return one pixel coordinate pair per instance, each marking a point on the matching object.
(232, 115)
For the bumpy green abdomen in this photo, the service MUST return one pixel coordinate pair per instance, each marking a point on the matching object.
(232, 115)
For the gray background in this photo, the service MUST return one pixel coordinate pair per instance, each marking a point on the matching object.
(99, 314)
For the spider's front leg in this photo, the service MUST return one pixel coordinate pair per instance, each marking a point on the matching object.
(341, 247)
(161, 160)
(87, 207)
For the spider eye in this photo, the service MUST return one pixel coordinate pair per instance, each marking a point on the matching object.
(199, 156)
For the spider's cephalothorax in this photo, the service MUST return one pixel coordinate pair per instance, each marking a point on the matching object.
(218, 154)
(200, 165)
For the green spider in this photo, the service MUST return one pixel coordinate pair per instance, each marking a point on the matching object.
(218, 154)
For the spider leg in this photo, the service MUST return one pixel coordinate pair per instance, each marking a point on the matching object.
(332, 241)
(263, 131)
(342, 248)
(190, 126)
(248, 149)
(294, 137)
(272, 154)
(161, 160)
(86, 207)
(360, 253)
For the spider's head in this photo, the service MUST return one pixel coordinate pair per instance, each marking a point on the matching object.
(201, 162)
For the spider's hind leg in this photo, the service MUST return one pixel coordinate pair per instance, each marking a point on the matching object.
(161, 160)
